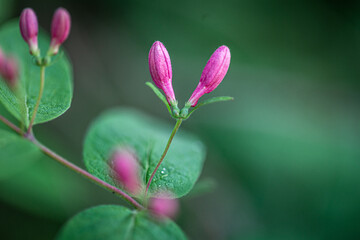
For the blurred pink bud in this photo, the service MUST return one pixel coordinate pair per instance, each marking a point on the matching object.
(213, 73)
(126, 168)
(9, 71)
(29, 29)
(164, 206)
(60, 28)
(160, 70)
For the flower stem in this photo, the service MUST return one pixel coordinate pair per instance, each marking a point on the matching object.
(85, 174)
(177, 126)
(42, 83)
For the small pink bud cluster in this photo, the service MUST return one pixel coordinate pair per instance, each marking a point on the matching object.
(126, 168)
(212, 75)
(161, 71)
(60, 29)
(8, 69)
(163, 206)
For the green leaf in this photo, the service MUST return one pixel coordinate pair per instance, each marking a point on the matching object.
(16, 153)
(47, 189)
(208, 101)
(148, 137)
(214, 99)
(58, 79)
(35, 183)
(110, 222)
(4, 113)
(159, 95)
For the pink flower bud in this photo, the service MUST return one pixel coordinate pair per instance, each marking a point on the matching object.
(9, 71)
(164, 206)
(213, 73)
(29, 29)
(160, 70)
(60, 28)
(126, 168)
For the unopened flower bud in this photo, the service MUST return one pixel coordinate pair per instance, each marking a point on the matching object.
(160, 70)
(163, 206)
(29, 30)
(212, 75)
(126, 169)
(60, 28)
(9, 71)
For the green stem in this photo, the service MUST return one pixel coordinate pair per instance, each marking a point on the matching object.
(177, 126)
(42, 84)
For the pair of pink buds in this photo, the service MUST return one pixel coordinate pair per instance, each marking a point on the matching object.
(8, 69)
(212, 75)
(126, 170)
(60, 28)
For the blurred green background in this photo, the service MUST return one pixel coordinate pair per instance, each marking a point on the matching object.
(285, 154)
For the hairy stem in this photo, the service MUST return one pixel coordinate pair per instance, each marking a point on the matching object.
(86, 174)
(177, 126)
(42, 83)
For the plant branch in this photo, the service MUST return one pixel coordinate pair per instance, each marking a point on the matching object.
(42, 83)
(73, 167)
(10, 125)
(177, 126)
(85, 174)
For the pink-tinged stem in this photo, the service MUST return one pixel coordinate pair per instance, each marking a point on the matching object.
(10, 125)
(177, 125)
(72, 166)
(85, 174)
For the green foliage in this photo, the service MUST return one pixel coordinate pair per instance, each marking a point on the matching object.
(123, 127)
(45, 188)
(28, 174)
(58, 84)
(115, 222)
(8, 116)
(159, 95)
(208, 101)
(16, 153)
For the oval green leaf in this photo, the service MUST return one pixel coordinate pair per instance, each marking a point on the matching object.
(47, 189)
(148, 137)
(16, 153)
(58, 79)
(112, 222)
